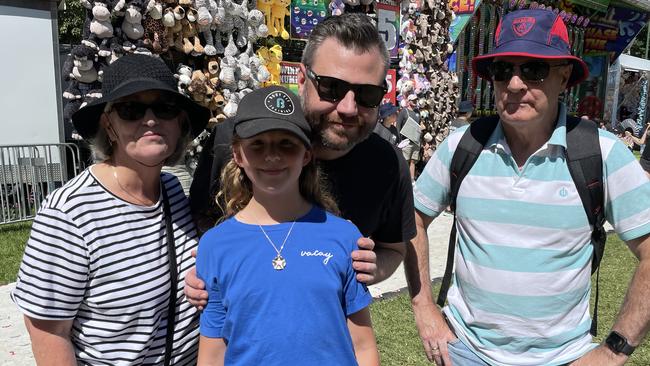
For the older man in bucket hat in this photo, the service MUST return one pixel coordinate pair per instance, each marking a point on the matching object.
(520, 291)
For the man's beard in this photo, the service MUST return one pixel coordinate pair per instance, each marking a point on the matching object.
(332, 139)
(321, 135)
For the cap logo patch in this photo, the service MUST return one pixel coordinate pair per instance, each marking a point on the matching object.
(521, 26)
(279, 102)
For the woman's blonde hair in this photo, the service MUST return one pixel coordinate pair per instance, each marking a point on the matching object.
(237, 189)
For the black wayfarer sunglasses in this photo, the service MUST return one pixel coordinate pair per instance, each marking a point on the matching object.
(135, 111)
(332, 90)
(532, 71)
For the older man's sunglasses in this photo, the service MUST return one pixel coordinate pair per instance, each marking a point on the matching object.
(332, 90)
(135, 111)
(532, 71)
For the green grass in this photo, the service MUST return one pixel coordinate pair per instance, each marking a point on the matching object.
(12, 243)
(399, 343)
(397, 337)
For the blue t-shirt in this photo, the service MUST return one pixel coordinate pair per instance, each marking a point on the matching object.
(298, 314)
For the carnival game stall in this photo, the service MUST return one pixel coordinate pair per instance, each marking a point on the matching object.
(627, 93)
(223, 49)
(599, 30)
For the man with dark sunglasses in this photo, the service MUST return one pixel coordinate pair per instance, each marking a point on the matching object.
(341, 83)
(520, 292)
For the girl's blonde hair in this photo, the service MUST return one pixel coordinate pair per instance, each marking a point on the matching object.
(237, 190)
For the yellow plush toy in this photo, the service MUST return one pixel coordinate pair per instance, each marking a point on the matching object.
(265, 6)
(270, 58)
(278, 11)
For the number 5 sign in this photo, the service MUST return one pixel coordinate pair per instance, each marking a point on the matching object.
(391, 80)
(388, 24)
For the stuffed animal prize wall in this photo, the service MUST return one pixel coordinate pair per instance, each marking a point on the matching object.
(211, 44)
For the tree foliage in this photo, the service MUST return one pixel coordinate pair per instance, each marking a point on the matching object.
(639, 46)
(71, 22)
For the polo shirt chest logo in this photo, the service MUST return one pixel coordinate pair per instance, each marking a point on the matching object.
(279, 102)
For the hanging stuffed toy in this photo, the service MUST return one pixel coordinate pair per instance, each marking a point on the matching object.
(82, 68)
(154, 9)
(336, 7)
(155, 34)
(131, 31)
(279, 10)
(98, 29)
(265, 7)
(256, 26)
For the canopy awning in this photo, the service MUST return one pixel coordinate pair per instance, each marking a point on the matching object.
(634, 63)
(640, 4)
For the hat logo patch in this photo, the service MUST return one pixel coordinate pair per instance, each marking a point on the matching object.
(521, 26)
(279, 102)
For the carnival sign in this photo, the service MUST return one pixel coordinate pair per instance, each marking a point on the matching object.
(464, 9)
(612, 33)
(289, 75)
(388, 25)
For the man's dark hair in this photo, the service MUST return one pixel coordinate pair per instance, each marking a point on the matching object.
(353, 30)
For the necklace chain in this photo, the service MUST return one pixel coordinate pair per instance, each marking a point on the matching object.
(278, 262)
(139, 201)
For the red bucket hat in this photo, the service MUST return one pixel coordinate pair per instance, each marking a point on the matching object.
(535, 33)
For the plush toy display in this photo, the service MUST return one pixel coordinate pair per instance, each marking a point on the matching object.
(221, 49)
(424, 78)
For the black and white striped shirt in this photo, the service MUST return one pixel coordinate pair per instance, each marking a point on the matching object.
(102, 261)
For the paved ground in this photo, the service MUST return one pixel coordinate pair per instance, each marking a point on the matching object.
(15, 349)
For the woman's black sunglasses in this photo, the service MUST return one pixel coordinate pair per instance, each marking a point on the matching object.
(135, 111)
(333, 89)
(532, 71)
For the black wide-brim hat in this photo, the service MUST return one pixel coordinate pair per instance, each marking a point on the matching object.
(271, 108)
(130, 74)
(535, 33)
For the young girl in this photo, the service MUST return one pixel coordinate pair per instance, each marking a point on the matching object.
(278, 270)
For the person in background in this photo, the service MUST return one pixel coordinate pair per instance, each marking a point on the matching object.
(627, 137)
(407, 111)
(386, 124)
(98, 281)
(465, 110)
(645, 152)
(410, 128)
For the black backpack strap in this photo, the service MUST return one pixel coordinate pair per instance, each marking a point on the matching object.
(585, 164)
(468, 150)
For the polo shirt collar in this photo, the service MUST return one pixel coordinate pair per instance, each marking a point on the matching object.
(558, 137)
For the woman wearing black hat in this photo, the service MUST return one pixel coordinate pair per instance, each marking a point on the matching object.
(98, 280)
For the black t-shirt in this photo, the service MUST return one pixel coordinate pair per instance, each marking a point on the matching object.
(371, 185)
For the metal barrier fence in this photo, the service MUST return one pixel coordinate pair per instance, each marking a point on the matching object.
(29, 172)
